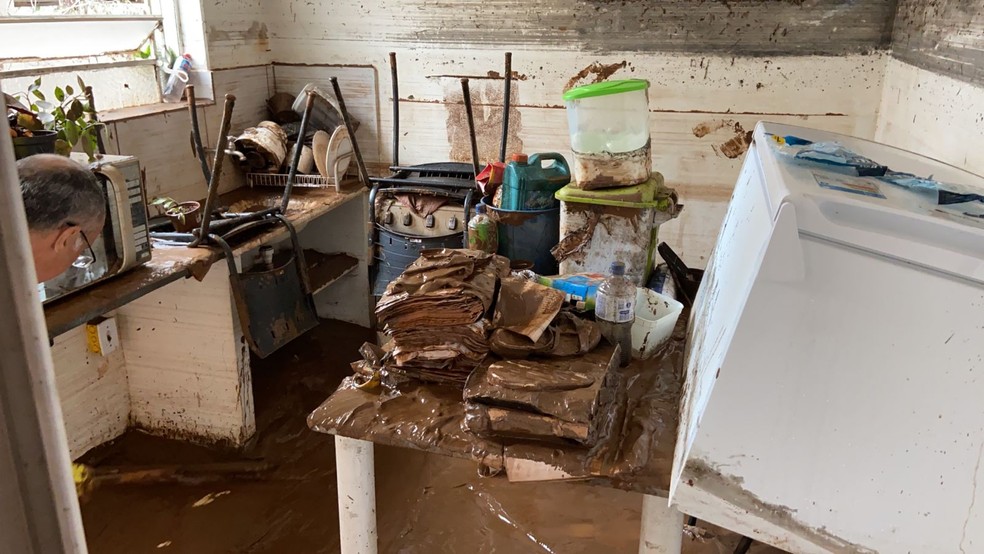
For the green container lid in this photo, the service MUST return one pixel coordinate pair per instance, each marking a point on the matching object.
(651, 194)
(605, 88)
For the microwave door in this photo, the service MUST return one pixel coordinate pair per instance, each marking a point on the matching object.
(116, 193)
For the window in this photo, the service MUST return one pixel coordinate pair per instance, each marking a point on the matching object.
(116, 46)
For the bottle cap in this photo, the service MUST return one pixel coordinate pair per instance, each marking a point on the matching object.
(618, 269)
(519, 158)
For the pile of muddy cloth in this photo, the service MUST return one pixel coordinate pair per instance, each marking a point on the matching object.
(556, 398)
(434, 313)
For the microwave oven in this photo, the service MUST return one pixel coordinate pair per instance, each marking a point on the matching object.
(125, 240)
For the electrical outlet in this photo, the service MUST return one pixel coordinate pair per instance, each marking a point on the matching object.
(102, 336)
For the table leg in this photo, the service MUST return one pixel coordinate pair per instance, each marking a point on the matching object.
(356, 495)
(662, 527)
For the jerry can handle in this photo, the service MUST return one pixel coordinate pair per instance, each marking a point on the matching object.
(559, 166)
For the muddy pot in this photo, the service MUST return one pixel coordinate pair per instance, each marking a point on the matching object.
(527, 236)
(43, 142)
(192, 217)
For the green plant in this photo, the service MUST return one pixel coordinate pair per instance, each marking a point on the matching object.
(70, 115)
(171, 207)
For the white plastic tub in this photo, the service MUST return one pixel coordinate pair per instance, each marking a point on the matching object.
(656, 316)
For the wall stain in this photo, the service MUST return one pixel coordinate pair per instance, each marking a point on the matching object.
(734, 146)
(257, 33)
(516, 76)
(701, 130)
(600, 71)
(487, 111)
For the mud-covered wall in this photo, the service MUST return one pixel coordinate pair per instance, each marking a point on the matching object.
(933, 96)
(716, 68)
(943, 36)
(742, 27)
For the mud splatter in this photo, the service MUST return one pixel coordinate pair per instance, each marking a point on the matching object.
(734, 146)
(701, 130)
(600, 72)
(487, 111)
(737, 145)
(516, 76)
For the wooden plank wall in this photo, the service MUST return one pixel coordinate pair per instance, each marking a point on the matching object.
(715, 67)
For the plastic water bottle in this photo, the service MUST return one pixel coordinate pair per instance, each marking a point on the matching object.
(483, 233)
(178, 72)
(615, 310)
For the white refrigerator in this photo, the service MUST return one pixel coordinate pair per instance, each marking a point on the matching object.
(834, 395)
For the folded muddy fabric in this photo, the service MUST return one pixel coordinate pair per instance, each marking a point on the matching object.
(567, 335)
(542, 399)
(526, 308)
(442, 288)
(440, 347)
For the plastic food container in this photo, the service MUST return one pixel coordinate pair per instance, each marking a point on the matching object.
(609, 128)
(655, 317)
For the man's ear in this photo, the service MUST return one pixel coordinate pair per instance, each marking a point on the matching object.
(66, 238)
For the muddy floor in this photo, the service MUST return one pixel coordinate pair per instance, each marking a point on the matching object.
(426, 503)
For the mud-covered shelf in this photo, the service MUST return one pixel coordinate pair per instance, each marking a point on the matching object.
(325, 269)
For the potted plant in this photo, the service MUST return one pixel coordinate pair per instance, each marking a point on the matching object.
(184, 216)
(27, 132)
(69, 117)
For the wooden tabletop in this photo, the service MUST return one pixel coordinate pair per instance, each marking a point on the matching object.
(171, 263)
(636, 453)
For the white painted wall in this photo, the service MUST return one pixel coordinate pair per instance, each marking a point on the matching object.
(93, 391)
(934, 115)
(834, 93)
(188, 370)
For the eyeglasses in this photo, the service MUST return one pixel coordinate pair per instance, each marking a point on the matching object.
(85, 259)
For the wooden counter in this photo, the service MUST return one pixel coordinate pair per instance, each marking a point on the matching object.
(172, 263)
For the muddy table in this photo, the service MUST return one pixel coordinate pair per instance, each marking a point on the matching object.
(636, 454)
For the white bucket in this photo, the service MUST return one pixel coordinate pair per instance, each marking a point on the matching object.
(655, 317)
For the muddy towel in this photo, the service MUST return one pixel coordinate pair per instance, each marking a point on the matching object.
(442, 288)
(551, 399)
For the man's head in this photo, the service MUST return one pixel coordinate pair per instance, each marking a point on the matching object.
(65, 208)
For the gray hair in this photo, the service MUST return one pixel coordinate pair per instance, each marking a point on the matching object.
(57, 191)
